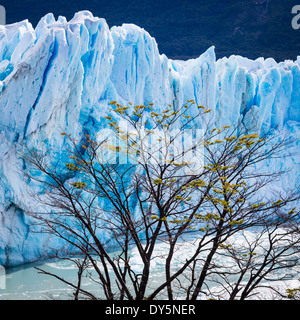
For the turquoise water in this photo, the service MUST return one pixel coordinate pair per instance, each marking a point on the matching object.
(27, 283)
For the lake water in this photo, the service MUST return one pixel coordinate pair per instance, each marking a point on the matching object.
(26, 283)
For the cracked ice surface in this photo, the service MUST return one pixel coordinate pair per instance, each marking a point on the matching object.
(61, 75)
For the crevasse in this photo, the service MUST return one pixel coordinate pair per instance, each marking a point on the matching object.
(61, 76)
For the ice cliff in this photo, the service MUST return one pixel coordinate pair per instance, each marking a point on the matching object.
(61, 75)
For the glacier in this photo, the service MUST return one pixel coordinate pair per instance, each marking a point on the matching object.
(61, 75)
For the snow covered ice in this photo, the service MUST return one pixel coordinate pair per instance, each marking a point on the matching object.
(60, 77)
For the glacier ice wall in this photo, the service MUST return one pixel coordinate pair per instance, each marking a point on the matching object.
(61, 75)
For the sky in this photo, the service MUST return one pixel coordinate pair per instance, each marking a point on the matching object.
(185, 29)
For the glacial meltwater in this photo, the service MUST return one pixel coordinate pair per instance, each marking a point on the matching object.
(27, 283)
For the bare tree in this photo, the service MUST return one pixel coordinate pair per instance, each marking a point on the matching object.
(148, 183)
